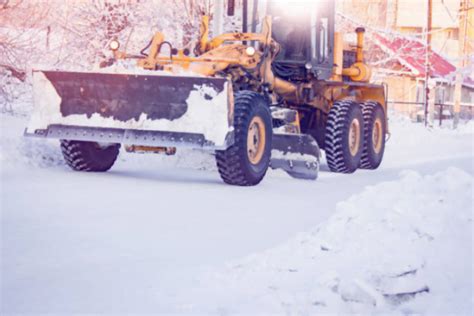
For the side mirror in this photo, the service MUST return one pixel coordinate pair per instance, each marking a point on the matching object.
(230, 7)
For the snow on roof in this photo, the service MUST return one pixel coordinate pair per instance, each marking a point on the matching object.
(408, 51)
(469, 82)
(412, 54)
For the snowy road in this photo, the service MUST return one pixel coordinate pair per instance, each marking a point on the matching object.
(132, 239)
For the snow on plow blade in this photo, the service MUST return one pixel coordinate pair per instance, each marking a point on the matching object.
(142, 109)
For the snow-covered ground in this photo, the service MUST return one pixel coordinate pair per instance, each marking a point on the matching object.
(164, 235)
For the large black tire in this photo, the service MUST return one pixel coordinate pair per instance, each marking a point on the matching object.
(89, 156)
(343, 149)
(234, 164)
(374, 135)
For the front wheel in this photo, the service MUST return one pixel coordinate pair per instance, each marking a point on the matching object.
(89, 156)
(245, 163)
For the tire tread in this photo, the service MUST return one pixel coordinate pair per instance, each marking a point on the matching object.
(230, 162)
(77, 156)
(335, 129)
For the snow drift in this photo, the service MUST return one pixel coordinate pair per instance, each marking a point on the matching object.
(401, 246)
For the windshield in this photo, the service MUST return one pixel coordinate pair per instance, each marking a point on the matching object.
(291, 23)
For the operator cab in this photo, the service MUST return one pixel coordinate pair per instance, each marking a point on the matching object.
(305, 31)
(290, 29)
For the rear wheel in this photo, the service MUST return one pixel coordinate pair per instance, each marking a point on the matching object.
(245, 163)
(374, 132)
(344, 136)
(89, 156)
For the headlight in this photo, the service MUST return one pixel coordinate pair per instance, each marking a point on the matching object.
(250, 51)
(114, 45)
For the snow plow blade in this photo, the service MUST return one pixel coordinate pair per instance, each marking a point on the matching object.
(297, 154)
(149, 108)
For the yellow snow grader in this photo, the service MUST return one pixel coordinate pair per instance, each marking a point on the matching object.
(270, 95)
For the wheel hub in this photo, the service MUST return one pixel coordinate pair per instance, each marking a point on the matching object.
(354, 137)
(256, 140)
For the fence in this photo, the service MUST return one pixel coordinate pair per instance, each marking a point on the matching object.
(442, 110)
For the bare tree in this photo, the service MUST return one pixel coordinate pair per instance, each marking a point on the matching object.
(21, 26)
(190, 13)
(87, 27)
(22, 21)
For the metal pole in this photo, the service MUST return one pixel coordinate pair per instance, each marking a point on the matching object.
(254, 16)
(461, 57)
(245, 17)
(218, 18)
(440, 115)
(427, 57)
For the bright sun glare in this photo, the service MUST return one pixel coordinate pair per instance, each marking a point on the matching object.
(295, 8)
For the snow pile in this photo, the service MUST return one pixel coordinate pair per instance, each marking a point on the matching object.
(18, 150)
(421, 144)
(402, 246)
(466, 128)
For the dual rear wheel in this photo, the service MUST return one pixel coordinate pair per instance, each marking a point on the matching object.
(355, 136)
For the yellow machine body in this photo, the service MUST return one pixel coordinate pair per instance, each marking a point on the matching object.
(228, 52)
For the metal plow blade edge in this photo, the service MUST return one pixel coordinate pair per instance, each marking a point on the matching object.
(298, 155)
